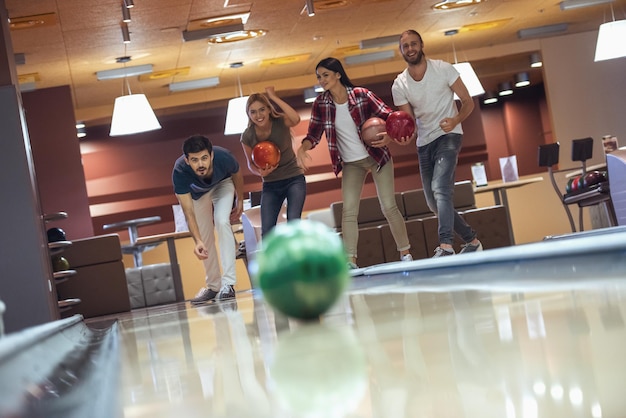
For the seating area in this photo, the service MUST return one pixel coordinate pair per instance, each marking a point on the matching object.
(100, 279)
(375, 234)
(376, 244)
(104, 286)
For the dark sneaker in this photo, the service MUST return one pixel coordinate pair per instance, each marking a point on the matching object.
(470, 248)
(227, 292)
(241, 250)
(204, 295)
(442, 252)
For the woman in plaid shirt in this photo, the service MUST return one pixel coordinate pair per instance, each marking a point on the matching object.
(340, 112)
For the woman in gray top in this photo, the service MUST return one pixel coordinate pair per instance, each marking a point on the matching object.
(286, 179)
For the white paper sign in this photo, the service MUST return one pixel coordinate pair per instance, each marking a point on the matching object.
(180, 222)
(508, 167)
(479, 174)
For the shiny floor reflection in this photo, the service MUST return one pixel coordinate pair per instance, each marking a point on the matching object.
(437, 345)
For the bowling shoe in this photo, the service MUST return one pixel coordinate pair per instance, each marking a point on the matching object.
(204, 295)
(470, 248)
(440, 252)
(227, 292)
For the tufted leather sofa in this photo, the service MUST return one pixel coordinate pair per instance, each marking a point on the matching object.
(376, 244)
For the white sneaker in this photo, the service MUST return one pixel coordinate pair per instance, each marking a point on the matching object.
(406, 257)
(470, 248)
(441, 252)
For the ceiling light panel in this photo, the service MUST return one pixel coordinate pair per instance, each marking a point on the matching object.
(371, 57)
(194, 84)
(542, 31)
(124, 72)
(577, 4)
(380, 42)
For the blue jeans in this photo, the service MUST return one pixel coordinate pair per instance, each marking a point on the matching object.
(274, 194)
(438, 161)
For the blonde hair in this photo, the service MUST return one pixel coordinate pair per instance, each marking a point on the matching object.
(262, 98)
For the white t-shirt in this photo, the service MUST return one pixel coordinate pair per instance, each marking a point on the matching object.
(351, 148)
(432, 98)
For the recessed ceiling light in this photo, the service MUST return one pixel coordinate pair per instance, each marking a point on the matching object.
(237, 36)
(454, 4)
(27, 22)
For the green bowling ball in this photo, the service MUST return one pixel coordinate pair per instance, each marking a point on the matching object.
(301, 268)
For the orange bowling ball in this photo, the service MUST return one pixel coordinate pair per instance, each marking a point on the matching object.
(371, 128)
(265, 154)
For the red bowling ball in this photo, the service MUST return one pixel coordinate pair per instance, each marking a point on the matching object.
(371, 128)
(400, 125)
(265, 154)
(593, 177)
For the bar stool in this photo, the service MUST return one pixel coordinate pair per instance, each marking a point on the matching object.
(133, 234)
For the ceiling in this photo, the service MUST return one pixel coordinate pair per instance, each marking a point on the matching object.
(65, 42)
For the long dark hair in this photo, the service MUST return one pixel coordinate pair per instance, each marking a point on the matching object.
(333, 64)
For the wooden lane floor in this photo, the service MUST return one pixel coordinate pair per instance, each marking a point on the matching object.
(496, 334)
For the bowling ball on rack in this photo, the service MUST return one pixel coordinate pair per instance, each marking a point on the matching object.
(265, 154)
(301, 268)
(568, 187)
(371, 128)
(400, 124)
(577, 184)
(60, 263)
(593, 177)
(56, 235)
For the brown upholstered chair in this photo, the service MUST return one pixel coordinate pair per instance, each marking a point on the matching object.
(100, 279)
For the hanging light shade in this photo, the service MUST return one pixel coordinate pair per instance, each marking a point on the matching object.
(310, 95)
(535, 60)
(504, 89)
(132, 114)
(469, 78)
(522, 79)
(236, 117)
(611, 38)
(490, 98)
(466, 72)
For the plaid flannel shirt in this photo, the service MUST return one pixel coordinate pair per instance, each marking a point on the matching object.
(362, 105)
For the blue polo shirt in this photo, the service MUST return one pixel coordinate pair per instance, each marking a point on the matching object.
(186, 181)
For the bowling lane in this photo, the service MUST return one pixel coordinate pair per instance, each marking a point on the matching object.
(537, 331)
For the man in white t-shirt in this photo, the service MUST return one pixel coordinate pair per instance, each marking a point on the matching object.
(426, 90)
